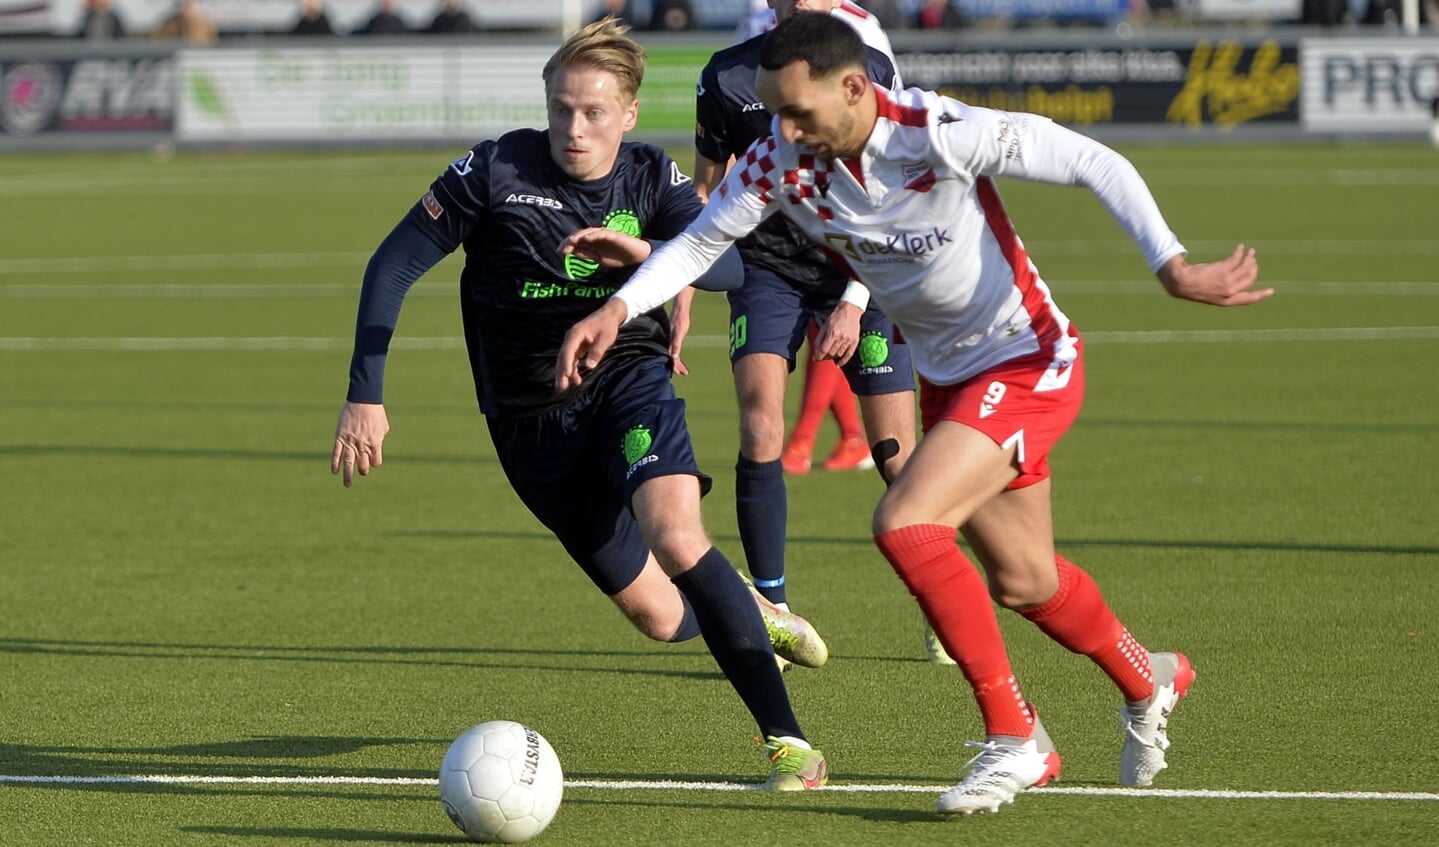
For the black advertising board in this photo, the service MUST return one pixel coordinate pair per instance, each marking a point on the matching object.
(42, 95)
(1220, 83)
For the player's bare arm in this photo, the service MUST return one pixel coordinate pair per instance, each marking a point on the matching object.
(610, 248)
(1227, 282)
(680, 328)
(587, 342)
(838, 338)
(358, 438)
(708, 175)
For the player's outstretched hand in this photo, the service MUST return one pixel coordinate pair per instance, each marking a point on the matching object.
(610, 248)
(1227, 282)
(358, 436)
(587, 341)
(838, 336)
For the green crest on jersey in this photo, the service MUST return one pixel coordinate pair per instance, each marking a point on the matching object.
(577, 268)
(619, 220)
(873, 349)
(637, 443)
(623, 220)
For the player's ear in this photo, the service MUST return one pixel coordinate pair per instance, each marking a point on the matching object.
(854, 84)
(632, 114)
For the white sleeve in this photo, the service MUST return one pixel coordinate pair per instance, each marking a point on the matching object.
(731, 214)
(1025, 146)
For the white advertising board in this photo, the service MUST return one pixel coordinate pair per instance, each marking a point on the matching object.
(273, 16)
(1242, 10)
(1368, 85)
(358, 93)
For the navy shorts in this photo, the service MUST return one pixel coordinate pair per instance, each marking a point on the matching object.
(577, 468)
(769, 315)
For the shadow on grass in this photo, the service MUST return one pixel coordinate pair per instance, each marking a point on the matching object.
(259, 758)
(409, 656)
(765, 801)
(341, 836)
(1159, 543)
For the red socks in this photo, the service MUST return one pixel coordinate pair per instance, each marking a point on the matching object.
(956, 602)
(1078, 618)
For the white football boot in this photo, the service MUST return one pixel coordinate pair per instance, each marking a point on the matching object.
(1001, 771)
(1146, 725)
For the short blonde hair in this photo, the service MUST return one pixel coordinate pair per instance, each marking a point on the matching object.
(603, 46)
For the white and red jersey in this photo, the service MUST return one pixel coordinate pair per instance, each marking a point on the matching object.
(761, 19)
(870, 32)
(917, 219)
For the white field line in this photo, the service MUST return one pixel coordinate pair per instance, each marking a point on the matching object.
(355, 174)
(291, 343)
(356, 259)
(670, 785)
(350, 290)
(184, 262)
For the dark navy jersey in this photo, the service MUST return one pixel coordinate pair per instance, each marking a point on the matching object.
(729, 117)
(509, 205)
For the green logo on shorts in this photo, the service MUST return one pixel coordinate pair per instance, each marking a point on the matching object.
(873, 349)
(738, 333)
(637, 443)
(619, 220)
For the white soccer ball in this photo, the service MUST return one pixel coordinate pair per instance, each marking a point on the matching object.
(501, 781)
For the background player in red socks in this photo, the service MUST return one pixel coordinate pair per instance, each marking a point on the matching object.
(907, 178)
(825, 390)
(788, 281)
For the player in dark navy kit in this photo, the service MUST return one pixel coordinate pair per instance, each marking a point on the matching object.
(607, 465)
(787, 281)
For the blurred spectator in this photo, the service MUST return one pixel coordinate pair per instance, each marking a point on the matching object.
(188, 23)
(618, 9)
(99, 22)
(938, 14)
(313, 20)
(384, 21)
(452, 19)
(1391, 12)
(887, 12)
(1324, 12)
(672, 16)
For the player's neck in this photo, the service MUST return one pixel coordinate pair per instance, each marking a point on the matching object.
(866, 115)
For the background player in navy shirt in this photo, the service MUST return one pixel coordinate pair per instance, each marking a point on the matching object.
(607, 466)
(787, 281)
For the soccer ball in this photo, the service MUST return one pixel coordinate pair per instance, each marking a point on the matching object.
(501, 781)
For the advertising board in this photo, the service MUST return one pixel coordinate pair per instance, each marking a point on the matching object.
(46, 96)
(348, 94)
(1221, 84)
(1376, 85)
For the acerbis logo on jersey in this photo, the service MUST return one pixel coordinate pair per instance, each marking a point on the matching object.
(677, 176)
(461, 165)
(535, 200)
(900, 247)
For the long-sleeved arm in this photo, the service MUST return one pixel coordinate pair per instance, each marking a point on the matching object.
(401, 259)
(1034, 148)
(684, 258)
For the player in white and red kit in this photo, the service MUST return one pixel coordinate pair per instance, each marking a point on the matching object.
(901, 187)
